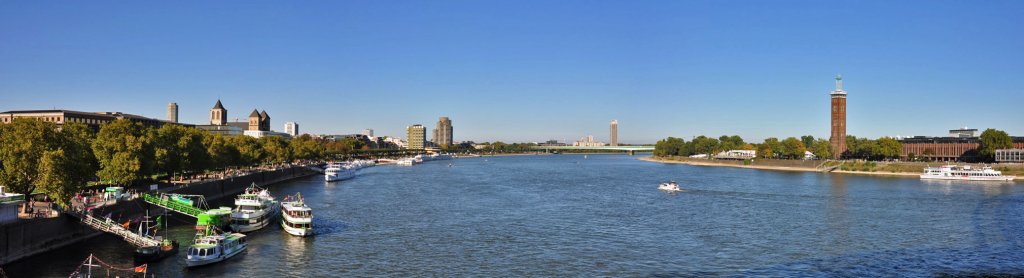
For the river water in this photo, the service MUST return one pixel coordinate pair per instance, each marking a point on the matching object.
(563, 215)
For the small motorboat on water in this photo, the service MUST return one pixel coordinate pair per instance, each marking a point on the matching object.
(671, 186)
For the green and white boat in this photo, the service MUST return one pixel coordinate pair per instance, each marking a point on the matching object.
(214, 248)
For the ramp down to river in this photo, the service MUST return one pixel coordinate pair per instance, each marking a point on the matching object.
(111, 227)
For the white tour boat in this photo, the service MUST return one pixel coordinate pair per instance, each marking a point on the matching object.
(296, 216)
(253, 210)
(406, 162)
(339, 171)
(669, 186)
(214, 248)
(953, 172)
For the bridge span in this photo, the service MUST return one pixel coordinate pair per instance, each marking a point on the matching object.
(628, 149)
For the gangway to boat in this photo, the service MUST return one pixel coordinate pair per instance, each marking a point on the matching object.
(111, 227)
(168, 202)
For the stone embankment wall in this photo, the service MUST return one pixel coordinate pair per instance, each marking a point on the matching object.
(25, 238)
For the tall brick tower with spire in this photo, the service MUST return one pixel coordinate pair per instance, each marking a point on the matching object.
(838, 138)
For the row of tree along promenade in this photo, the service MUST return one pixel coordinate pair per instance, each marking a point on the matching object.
(40, 157)
(880, 156)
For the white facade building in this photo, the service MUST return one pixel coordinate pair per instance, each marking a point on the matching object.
(263, 133)
(397, 141)
(368, 132)
(291, 128)
(737, 154)
(588, 142)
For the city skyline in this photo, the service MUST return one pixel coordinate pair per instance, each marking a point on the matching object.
(667, 69)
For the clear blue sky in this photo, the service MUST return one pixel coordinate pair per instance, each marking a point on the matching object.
(528, 70)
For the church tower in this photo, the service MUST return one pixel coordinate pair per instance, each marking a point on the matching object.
(255, 122)
(218, 115)
(838, 139)
(264, 121)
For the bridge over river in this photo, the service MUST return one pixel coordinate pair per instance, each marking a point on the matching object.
(627, 149)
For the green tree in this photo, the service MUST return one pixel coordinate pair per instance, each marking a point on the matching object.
(22, 145)
(67, 170)
(822, 149)
(793, 148)
(992, 140)
(193, 147)
(669, 146)
(221, 152)
(808, 140)
(167, 152)
(888, 148)
(774, 146)
(704, 145)
(728, 143)
(249, 150)
(305, 147)
(275, 149)
(124, 150)
(765, 151)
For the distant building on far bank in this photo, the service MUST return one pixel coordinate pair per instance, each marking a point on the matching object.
(443, 132)
(963, 132)
(172, 112)
(291, 128)
(1010, 155)
(961, 145)
(552, 143)
(588, 142)
(417, 136)
(91, 119)
(368, 132)
(613, 129)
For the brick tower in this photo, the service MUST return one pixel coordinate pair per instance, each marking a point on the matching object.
(838, 139)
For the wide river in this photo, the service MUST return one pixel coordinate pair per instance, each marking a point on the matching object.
(563, 215)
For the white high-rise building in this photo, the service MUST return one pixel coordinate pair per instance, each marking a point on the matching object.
(613, 129)
(368, 132)
(291, 128)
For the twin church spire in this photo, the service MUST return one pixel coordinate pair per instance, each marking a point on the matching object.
(257, 120)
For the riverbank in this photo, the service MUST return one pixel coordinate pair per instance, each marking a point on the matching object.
(730, 163)
(776, 165)
(890, 169)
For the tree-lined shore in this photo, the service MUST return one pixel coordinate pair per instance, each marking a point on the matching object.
(881, 149)
(39, 156)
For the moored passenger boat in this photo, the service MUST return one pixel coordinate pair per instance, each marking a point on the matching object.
(339, 171)
(296, 216)
(214, 248)
(954, 172)
(254, 209)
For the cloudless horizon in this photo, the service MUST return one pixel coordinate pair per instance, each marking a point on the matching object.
(524, 71)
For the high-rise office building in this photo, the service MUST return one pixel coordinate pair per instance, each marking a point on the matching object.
(172, 112)
(443, 132)
(613, 130)
(417, 136)
(368, 132)
(838, 138)
(291, 128)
